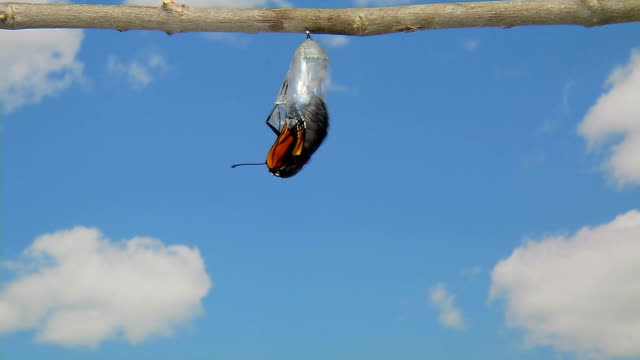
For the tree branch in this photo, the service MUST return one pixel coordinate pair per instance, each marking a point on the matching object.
(175, 18)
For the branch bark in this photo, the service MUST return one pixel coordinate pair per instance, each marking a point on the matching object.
(175, 18)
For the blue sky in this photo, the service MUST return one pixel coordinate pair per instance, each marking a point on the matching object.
(477, 197)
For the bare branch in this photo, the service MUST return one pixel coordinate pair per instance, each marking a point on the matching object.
(175, 18)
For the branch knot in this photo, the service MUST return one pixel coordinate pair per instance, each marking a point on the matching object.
(8, 16)
(174, 7)
(360, 24)
(592, 5)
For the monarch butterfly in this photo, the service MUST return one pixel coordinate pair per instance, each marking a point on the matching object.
(299, 117)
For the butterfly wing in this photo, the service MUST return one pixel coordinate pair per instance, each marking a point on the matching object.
(281, 149)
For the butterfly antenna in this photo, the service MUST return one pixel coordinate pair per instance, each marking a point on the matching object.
(243, 164)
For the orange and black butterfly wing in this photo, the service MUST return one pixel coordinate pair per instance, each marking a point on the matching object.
(281, 149)
(288, 144)
(286, 155)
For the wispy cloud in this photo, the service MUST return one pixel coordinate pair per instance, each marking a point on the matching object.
(140, 72)
(471, 272)
(333, 41)
(81, 288)
(332, 86)
(615, 115)
(237, 40)
(36, 64)
(566, 92)
(578, 293)
(443, 301)
(560, 111)
(470, 44)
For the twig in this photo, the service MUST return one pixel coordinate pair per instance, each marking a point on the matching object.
(175, 18)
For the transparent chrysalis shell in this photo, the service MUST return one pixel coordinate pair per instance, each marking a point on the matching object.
(299, 116)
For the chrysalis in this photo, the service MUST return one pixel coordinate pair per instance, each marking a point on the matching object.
(299, 117)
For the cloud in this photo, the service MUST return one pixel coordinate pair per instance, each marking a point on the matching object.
(577, 293)
(139, 72)
(615, 115)
(471, 272)
(78, 288)
(235, 39)
(36, 64)
(566, 91)
(442, 300)
(470, 44)
(332, 86)
(333, 41)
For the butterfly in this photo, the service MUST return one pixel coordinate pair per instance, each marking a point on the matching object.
(299, 117)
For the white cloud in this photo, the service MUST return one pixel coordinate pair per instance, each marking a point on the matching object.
(80, 288)
(578, 293)
(617, 113)
(333, 41)
(139, 72)
(448, 314)
(36, 64)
